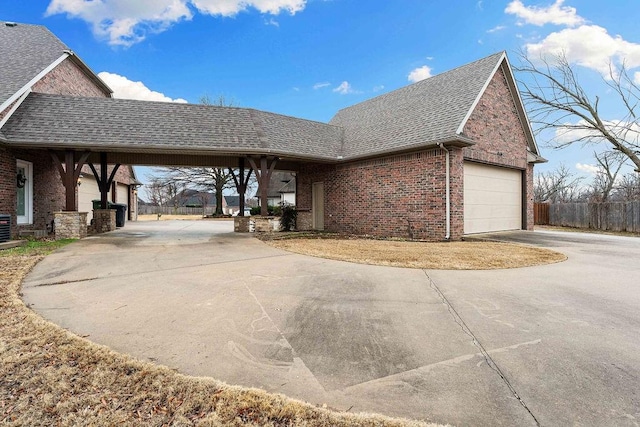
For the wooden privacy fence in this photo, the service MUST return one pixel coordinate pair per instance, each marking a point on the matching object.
(613, 216)
(170, 210)
(541, 213)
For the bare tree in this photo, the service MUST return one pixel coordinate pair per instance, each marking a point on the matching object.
(628, 187)
(220, 101)
(556, 100)
(157, 192)
(211, 179)
(557, 186)
(609, 165)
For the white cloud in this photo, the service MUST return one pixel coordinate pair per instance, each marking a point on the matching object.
(378, 88)
(496, 29)
(636, 78)
(126, 22)
(587, 168)
(233, 7)
(124, 88)
(419, 73)
(321, 85)
(588, 45)
(272, 22)
(344, 88)
(554, 14)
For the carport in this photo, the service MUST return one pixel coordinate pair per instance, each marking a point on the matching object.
(101, 131)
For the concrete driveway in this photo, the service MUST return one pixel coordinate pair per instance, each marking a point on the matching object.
(554, 345)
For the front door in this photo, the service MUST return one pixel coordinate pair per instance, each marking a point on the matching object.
(317, 208)
(24, 192)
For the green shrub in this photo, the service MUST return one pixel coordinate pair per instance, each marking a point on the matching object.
(255, 210)
(275, 210)
(289, 216)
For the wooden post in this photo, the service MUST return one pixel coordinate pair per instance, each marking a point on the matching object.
(241, 183)
(104, 183)
(70, 173)
(263, 173)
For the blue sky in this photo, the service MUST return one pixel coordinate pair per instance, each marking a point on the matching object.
(309, 58)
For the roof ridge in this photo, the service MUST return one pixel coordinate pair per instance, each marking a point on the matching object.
(415, 84)
(257, 124)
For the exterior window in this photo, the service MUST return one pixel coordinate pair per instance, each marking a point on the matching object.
(24, 187)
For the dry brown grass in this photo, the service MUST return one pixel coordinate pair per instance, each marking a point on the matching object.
(49, 376)
(440, 256)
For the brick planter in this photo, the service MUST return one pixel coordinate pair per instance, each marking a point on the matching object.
(70, 225)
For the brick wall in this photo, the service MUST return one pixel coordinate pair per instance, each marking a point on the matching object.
(68, 79)
(400, 196)
(6, 110)
(8, 185)
(496, 128)
(529, 197)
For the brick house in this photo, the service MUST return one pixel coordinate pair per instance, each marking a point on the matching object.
(447, 156)
(35, 61)
(393, 179)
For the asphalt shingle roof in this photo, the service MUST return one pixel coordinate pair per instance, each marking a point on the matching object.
(25, 51)
(130, 124)
(423, 112)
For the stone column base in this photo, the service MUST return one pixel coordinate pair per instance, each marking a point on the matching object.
(266, 224)
(104, 220)
(70, 225)
(241, 224)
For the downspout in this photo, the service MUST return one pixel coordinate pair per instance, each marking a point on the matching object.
(448, 193)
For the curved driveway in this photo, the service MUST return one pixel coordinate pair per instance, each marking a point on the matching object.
(556, 344)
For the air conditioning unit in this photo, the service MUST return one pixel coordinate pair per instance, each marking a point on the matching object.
(5, 228)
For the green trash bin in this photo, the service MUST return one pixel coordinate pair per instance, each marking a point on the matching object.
(97, 204)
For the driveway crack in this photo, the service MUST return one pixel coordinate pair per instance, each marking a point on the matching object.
(490, 362)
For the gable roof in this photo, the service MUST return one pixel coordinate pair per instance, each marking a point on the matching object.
(417, 116)
(431, 110)
(28, 53)
(280, 182)
(232, 201)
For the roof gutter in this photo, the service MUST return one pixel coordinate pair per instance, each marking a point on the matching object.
(457, 141)
(448, 193)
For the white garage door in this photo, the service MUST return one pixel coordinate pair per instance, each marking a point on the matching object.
(87, 191)
(492, 198)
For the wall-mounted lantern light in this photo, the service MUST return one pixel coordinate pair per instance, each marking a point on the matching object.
(21, 180)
